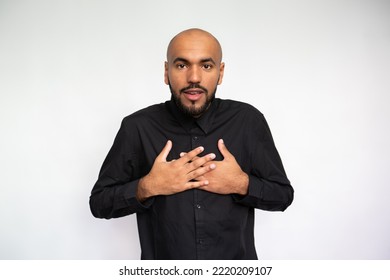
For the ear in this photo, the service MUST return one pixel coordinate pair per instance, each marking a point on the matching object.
(221, 71)
(166, 78)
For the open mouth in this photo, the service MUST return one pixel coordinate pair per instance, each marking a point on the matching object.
(193, 94)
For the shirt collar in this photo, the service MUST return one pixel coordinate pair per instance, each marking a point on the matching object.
(204, 122)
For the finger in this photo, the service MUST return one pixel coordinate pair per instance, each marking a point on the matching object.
(199, 162)
(199, 172)
(165, 151)
(200, 178)
(196, 184)
(187, 157)
(222, 148)
(182, 154)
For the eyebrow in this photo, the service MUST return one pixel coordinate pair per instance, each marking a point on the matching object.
(204, 60)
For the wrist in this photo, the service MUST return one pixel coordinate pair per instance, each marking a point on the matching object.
(243, 184)
(142, 189)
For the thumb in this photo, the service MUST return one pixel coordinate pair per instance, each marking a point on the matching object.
(165, 151)
(222, 148)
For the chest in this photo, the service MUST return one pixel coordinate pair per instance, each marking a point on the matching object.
(236, 137)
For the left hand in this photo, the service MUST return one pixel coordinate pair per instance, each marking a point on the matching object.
(227, 177)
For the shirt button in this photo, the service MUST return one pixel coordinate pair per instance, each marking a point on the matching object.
(195, 138)
(198, 206)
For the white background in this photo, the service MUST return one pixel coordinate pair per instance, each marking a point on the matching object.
(318, 70)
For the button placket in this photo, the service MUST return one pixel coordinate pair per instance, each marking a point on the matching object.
(195, 141)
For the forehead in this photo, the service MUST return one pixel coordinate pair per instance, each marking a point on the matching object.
(194, 46)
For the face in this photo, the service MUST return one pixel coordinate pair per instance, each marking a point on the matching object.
(193, 71)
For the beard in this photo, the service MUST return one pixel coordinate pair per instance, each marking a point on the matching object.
(193, 111)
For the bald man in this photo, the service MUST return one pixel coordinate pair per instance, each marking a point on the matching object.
(194, 168)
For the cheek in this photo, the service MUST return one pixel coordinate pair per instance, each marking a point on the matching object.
(175, 80)
(212, 83)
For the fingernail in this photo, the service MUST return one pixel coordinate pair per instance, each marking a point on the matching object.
(212, 156)
(212, 166)
(201, 149)
(221, 140)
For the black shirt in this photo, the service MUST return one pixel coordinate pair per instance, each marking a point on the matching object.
(193, 224)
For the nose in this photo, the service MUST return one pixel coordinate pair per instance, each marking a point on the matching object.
(194, 75)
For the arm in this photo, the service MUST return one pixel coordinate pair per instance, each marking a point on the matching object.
(114, 193)
(268, 188)
(123, 188)
(264, 186)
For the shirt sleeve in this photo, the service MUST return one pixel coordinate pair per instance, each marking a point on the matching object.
(269, 188)
(114, 193)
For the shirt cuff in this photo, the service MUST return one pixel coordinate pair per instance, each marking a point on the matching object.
(255, 186)
(131, 198)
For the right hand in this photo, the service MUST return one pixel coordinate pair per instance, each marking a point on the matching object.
(170, 177)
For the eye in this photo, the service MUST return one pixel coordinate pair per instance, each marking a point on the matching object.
(207, 66)
(181, 66)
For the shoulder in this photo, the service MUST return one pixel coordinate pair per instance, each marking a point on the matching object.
(147, 114)
(238, 107)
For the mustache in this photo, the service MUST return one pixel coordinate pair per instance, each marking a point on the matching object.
(192, 86)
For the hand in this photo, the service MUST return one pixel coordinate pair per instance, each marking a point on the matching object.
(227, 177)
(170, 177)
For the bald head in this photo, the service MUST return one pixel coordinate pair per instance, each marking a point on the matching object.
(194, 38)
(194, 70)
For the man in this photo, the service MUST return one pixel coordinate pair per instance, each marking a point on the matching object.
(195, 167)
